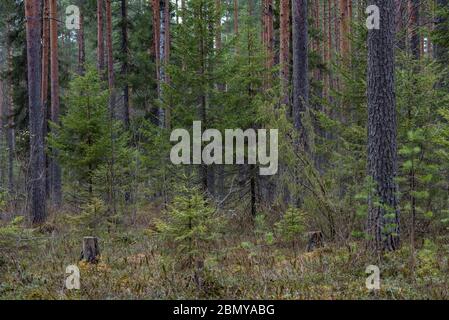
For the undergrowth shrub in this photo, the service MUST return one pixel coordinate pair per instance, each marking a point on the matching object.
(191, 224)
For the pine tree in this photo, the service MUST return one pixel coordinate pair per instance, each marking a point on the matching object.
(85, 149)
(383, 217)
(37, 153)
(54, 61)
(300, 67)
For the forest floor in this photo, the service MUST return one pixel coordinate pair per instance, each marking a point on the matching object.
(133, 265)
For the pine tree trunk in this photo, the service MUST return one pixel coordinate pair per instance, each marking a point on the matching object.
(54, 61)
(45, 52)
(44, 90)
(81, 42)
(337, 21)
(329, 56)
(300, 66)
(124, 71)
(219, 172)
(10, 123)
(112, 113)
(2, 131)
(413, 12)
(161, 111)
(399, 6)
(383, 220)
(156, 42)
(440, 52)
(38, 212)
(167, 56)
(284, 50)
(110, 57)
(163, 36)
(269, 39)
(236, 17)
(100, 39)
(344, 30)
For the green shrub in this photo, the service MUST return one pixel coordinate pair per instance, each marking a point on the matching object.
(292, 225)
(191, 224)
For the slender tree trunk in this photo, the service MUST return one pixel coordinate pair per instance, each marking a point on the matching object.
(162, 26)
(236, 17)
(166, 61)
(284, 50)
(325, 47)
(100, 38)
(163, 34)
(269, 38)
(202, 99)
(54, 61)
(344, 29)
(300, 67)
(221, 87)
(10, 135)
(2, 131)
(400, 12)
(110, 57)
(37, 198)
(81, 42)
(156, 42)
(383, 219)
(45, 53)
(440, 52)
(413, 11)
(124, 71)
(337, 22)
(112, 113)
(329, 56)
(44, 88)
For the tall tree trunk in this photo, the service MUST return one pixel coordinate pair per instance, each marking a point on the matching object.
(329, 56)
(166, 61)
(236, 17)
(325, 46)
(337, 22)
(202, 98)
(109, 54)
(383, 216)
(44, 89)
(400, 13)
(54, 61)
(344, 29)
(2, 131)
(268, 38)
(163, 35)
(300, 66)
(37, 198)
(45, 52)
(112, 113)
(284, 50)
(10, 135)
(156, 43)
(81, 42)
(100, 38)
(219, 173)
(413, 11)
(124, 71)
(440, 53)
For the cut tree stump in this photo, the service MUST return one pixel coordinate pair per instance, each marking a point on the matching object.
(315, 240)
(91, 250)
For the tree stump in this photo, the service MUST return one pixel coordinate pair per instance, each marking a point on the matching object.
(91, 250)
(198, 275)
(315, 240)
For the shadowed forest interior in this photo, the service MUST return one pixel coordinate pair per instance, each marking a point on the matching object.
(91, 91)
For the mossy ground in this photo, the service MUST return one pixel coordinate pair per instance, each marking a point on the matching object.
(135, 265)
